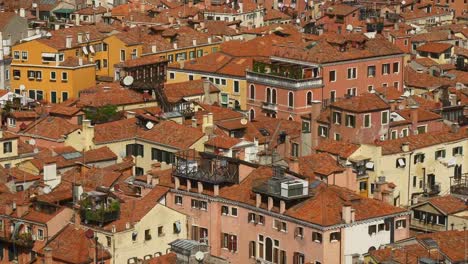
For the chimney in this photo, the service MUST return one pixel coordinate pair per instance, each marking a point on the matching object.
(282, 207)
(207, 124)
(88, 134)
(176, 183)
(50, 174)
(209, 40)
(77, 192)
(200, 187)
(190, 3)
(77, 20)
(170, 20)
(130, 114)
(346, 213)
(206, 91)
(189, 185)
(207, 3)
(80, 61)
(258, 200)
(68, 42)
(455, 128)
(194, 42)
(79, 38)
(270, 203)
(315, 111)
(294, 164)
(216, 190)
(154, 49)
(414, 116)
(175, 45)
(142, 7)
(396, 26)
(194, 122)
(241, 7)
(48, 255)
(22, 12)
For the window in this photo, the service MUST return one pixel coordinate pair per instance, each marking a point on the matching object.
(332, 96)
(291, 99)
(457, 151)
(24, 55)
(201, 205)
(299, 232)
(367, 120)
(236, 86)
(401, 224)
(350, 120)
(396, 85)
(229, 242)
(396, 67)
(224, 210)
(199, 53)
(160, 231)
(415, 179)
(217, 81)
(53, 76)
(335, 236)
(261, 219)
(371, 71)
(64, 76)
(337, 118)
(337, 137)
(252, 218)
(280, 226)
(317, 237)
(134, 150)
(381, 227)
(148, 234)
(7, 74)
(419, 158)
(252, 249)
(199, 234)
(234, 211)
(171, 75)
(372, 229)
(352, 73)
(323, 131)
(298, 258)
(162, 156)
(370, 88)
(385, 68)
(31, 75)
(400, 162)
(394, 134)
(440, 154)
(191, 54)
(16, 74)
(7, 147)
(404, 132)
(38, 75)
(252, 91)
(295, 150)
(122, 55)
(363, 186)
(170, 57)
(64, 96)
(332, 76)
(384, 117)
(305, 126)
(11, 122)
(176, 227)
(421, 129)
(178, 199)
(310, 97)
(351, 91)
(40, 234)
(190, 77)
(16, 55)
(104, 63)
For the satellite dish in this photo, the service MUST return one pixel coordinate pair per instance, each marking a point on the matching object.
(34, 5)
(406, 94)
(128, 80)
(22, 87)
(199, 256)
(349, 27)
(244, 121)
(149, 125)
(35, 150)
(47, 189)
(403, 2)
(32, 141)
(298, 21)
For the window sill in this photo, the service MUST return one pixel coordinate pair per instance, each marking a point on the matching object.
(53, 80)
(334, 241)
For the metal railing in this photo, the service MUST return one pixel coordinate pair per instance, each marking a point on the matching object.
(283, 82)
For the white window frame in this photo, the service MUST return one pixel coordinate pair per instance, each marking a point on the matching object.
(335, 77)
(66, 74)
(381, 117)
(354, 73)
(364, 121)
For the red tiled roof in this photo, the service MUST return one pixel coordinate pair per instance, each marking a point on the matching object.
(145, 60)
(341, 9)
(423, 115)
(109, 94)
(50, 127)
(320, 163)
(170, 258)
(449, 243)
(420, 141)
(177, 91)
(423, 80)
(223, 142)
(448, 204)
(367, 102)
(339, 148)
(434, 47)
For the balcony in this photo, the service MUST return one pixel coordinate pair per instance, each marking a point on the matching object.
(269, 106)
(459, 185)
(433, 189)
(24, 240)
(97, 208)
(270, 79)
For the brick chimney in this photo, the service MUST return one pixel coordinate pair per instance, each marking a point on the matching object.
(315, 111)
(414, 117)
(48, 255)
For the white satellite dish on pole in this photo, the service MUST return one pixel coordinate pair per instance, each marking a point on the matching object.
(244, 121)
(149, 125)
(128, 80)
(22, 87)
(199, 256)
(47, 189)
(403, 2)
(32, 141)
(349, 27)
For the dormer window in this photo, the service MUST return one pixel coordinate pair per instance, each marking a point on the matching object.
(419, 158)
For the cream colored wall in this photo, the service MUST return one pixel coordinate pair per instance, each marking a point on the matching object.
(123, 247)
(386, 166)
(459, 220)
(14, 149)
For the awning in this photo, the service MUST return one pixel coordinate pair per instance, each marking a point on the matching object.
(48, 55)
(64, 11)
(85, 50)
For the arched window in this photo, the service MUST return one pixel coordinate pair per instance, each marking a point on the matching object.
(291, 99)
(273, 97)
(252, 91)
(252, 114)
(269, 249)
(268, 95)
(310, 98)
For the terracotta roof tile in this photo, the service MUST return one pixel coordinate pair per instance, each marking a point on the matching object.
(223, 142)
(320, 163)
(109, 94)
(434, 47)
(367, 102)
(339, 148)
(423, 115)
(449, 243)
(177, 91)
(448, 204)
(50, 127)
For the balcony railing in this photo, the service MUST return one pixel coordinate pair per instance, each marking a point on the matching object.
(459, 185)
(104, 213)
(433, 189)
(270, 106)
(283, 82)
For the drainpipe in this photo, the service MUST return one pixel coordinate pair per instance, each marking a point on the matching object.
(409, 176)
